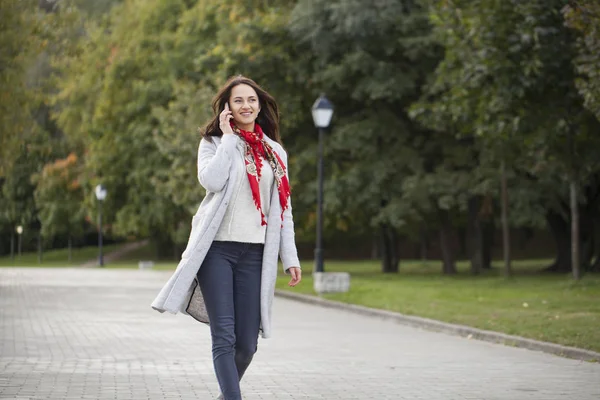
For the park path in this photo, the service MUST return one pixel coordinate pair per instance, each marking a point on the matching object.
(91, 334)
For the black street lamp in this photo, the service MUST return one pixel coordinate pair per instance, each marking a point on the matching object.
(322, 111)
(20, 233)
(100, 195)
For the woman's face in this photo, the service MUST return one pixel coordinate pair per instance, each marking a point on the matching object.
(244, 106)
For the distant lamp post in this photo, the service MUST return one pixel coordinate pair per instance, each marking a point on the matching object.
(100, 195)
(20, 233)
(322, 111)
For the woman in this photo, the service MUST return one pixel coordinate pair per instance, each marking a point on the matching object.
(243, 223)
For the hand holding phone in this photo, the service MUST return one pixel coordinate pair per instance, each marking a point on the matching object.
(224, 119)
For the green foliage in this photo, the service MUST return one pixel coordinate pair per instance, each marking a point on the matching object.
(16, 200)
(153, 77)
(369, 62)
(126, 64)
(18, 46)
(95, 8)
(498, 58)
(17, 205)
(29, 137)
(429, 96)
(507, 78)
(59, 197)
(584, 16)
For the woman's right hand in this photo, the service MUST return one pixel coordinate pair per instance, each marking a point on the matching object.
(224, 118)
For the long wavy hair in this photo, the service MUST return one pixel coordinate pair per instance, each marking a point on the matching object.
(268, 117)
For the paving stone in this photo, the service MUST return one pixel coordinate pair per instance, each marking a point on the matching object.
(78, 333)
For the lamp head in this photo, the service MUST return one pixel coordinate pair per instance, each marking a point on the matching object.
(100, 192)
(322, 111)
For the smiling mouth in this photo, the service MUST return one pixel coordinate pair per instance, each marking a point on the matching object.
(246, 114)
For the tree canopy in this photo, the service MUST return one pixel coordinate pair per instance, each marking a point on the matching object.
(431, 98)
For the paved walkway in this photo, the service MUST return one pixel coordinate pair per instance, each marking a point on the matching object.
(91, 334)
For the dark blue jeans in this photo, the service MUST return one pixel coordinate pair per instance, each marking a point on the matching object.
(230, 283)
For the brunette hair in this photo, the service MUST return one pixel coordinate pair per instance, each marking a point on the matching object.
(268, 117)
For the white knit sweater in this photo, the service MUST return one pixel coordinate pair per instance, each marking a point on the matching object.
(241, 222)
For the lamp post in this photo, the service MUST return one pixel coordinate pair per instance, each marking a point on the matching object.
(322, 111)
(100, 195)
(20, 233)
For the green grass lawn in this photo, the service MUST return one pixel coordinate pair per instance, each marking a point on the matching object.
(60, 258)
(56, 258)
(546, 307)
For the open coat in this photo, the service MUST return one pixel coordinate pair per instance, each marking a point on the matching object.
(220, 164)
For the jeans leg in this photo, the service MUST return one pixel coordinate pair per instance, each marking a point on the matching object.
(247, 278)
(216, 283)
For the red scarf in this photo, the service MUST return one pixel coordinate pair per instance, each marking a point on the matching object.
(256, 148)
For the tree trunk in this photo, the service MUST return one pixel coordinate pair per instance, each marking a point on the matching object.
(12, 246)
(39, 246)
(70, 248)
(595, 261)
(486, 216)
(375, 247)
(424, 244)
(389, 256)
(475, 234)
(588, 239)
(560, 230)
(505, 226)
(463, 242)
(488, 243)
(595, 267)
(448, 266)
(574, 230)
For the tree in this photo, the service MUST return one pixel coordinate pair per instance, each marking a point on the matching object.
(18, 45)
(29, 136)
(127, 64)
(584, 16)
(370, 63)
(507, 77)
(59, 198)
(17, 206)
(153, 77)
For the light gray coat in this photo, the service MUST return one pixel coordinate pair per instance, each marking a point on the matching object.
(220, 164)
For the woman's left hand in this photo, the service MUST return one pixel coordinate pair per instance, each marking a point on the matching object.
(296, 274)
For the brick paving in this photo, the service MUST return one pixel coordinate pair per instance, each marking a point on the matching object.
(91, 334)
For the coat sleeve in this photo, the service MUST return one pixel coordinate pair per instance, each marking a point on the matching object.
(287, 244)
(214, 162)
